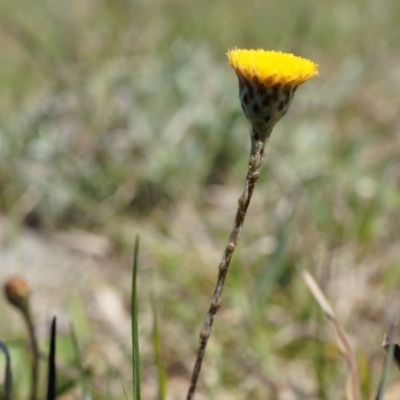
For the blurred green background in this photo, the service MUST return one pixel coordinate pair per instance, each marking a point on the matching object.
(122, 118)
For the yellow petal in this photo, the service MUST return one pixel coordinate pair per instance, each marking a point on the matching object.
(272, 67)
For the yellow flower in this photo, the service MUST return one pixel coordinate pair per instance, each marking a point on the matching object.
(272, 67)
(267, 82)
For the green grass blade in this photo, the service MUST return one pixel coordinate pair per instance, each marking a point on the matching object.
(86, 395)
(135, 338)
(385, 374)
(7, 372)
(162, 375)
(389, 346)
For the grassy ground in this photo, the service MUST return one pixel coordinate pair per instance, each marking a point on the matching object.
(123, 117)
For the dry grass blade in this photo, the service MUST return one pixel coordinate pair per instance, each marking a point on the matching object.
(352, 387)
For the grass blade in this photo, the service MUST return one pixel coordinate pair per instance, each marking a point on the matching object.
(82, 374)
(162, 375)
(353, 391)
(135, 338)
(390, 348)
(51, 380)
(396, 350)
(7, 372)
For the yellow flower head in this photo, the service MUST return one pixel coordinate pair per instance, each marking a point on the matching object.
(267, 82)
(272, 67)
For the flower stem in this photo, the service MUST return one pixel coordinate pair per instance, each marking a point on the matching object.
(35, 354)
(257, 155)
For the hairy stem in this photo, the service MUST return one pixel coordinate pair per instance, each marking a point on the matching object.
(256, 159)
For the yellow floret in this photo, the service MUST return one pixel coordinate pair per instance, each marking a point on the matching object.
(272, 67)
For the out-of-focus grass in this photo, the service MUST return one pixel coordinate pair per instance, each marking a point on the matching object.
(122, 117)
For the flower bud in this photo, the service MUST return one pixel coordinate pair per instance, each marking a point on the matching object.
(17, 292)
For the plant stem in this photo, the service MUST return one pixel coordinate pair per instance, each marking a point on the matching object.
(257, 155)
(35, 353)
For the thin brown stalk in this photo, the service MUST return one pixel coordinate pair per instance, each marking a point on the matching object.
(257, 155)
